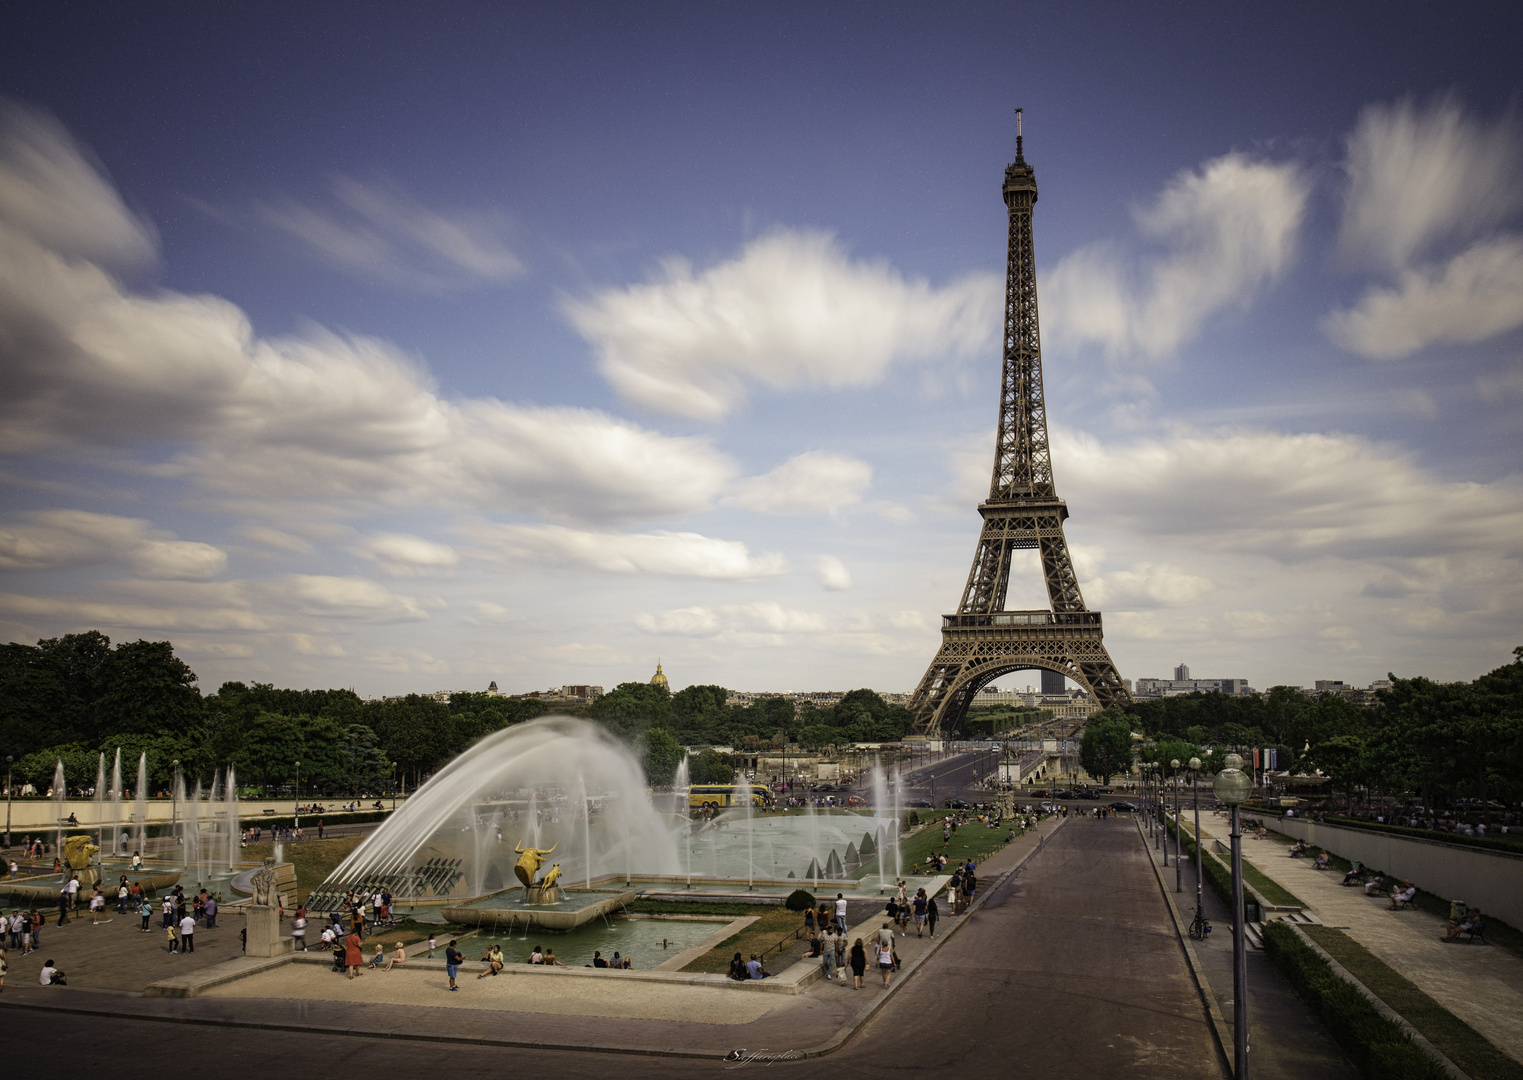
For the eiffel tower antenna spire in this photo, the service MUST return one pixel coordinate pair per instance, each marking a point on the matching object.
(983, 641)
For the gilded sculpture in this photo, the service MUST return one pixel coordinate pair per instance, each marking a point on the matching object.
(530, 859)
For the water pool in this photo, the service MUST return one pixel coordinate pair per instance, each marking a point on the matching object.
(648, 942)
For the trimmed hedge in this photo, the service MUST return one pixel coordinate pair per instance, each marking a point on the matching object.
(1378, 1046)
(799, 900)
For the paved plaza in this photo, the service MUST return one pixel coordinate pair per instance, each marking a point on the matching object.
(1073, 963)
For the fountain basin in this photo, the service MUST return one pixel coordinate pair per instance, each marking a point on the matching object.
(499, 912)
(43, 891)
(649, 942)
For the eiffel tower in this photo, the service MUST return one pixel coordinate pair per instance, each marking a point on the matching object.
(984, 641)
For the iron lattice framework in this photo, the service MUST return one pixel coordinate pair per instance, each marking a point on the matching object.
(983, 641)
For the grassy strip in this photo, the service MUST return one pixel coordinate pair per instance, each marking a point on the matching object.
(1465, 1046)
(1379, 1047)
(314, 860)
(773, 924)
(1270, 891)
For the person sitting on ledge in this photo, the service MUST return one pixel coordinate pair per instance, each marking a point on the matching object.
(1467, 924)
(50, 976)
(536, 956)
(1324, 862)
(550, 960)
(738, 970)
(754, 969)
(599, 962)
(493, 959)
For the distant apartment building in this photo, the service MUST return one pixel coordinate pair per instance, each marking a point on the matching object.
(820, 699)
(1157, 688)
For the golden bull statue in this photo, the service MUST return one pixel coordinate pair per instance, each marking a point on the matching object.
(529, 861)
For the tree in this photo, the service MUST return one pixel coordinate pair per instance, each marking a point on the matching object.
(1106, 747)
(629, 708)
(710, 767)
(659, 755)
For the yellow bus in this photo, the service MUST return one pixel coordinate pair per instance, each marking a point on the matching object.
(725, 795)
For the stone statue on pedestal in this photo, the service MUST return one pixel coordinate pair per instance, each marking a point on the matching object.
(262, 926)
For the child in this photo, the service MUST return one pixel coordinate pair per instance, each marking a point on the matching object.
(432, 944)
(379, 958)
(174, 942)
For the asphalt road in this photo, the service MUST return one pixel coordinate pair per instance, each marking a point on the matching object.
(1072, 969)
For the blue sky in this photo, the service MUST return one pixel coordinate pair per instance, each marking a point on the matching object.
(386, 348)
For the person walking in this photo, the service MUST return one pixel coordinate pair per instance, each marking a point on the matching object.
(930, 915)
(920, 908)
(452, 961)
(840, 914)
(97, 905)
(210, 908)
(3, 968)
(858, 964)
(299, 930)
(122, 895)
(828, 953)
(173, 938)
(885, 950)
(188, 934)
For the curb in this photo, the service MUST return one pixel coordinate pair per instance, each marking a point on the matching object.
(835, 1042)
(1219, 1031)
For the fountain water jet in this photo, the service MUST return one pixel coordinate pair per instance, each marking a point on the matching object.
(233, 829)
(116, 803)
(58, 796)
(140, 801)
(100, 813)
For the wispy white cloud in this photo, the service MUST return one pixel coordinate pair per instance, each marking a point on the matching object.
(1421, 182)
(61, 201)
(816, 482)
(659, 554)
(1227, 229)
(379, 233)
(766, 617)
(403, 555)
(58, 539)
(343, 598)
(792, 309)
(832, 574)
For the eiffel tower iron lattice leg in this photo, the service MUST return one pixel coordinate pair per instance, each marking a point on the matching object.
(983, 641)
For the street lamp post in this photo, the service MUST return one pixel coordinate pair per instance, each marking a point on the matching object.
(1232, 788)
(1200, 909)
(1179, 885)
(8, 760)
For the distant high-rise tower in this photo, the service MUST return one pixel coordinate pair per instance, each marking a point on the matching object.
(1053, 683)
(983, 641)
(1182, 673)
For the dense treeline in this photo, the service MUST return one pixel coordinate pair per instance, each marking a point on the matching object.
(74, 697)
(1442, 742)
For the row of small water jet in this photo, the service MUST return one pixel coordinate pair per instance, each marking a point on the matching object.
(546, 762)
(681, 810)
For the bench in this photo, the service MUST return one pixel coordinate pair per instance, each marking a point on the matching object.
(1476, 933)
(1398, 903)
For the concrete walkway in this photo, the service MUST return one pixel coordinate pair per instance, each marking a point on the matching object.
(1482, 985)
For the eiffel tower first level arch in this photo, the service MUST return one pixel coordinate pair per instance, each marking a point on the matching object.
(982, 641)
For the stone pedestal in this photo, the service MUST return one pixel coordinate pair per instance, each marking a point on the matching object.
(264, 936)
(538, 895)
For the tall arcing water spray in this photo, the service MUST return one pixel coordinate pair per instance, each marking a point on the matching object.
(680, 784)
(548, 761)
(231, 797)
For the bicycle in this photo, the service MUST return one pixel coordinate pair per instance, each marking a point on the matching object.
(1200, 927)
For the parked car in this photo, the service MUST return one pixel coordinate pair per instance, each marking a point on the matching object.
(955, 804)
(1123, 806)
(855, 800)
(921, 804)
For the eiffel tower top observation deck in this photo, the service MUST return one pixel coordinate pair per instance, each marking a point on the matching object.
(983, 641)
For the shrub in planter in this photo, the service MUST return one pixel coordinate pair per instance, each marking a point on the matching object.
(799, 900)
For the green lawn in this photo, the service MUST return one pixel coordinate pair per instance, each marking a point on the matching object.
(314, 860)
(775, 923)
(970, 841)
(1465, 1046)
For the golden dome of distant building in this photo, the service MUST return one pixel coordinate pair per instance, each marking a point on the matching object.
(659, 679)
